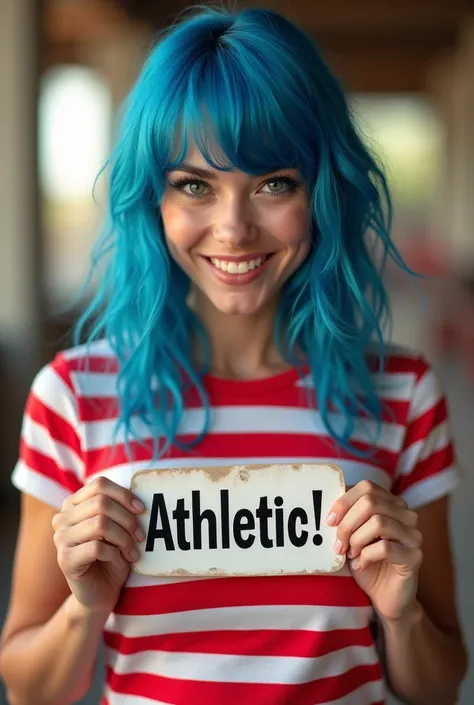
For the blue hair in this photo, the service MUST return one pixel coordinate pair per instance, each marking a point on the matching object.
(252, 90)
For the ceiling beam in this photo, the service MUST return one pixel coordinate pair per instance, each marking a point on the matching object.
(81, 20)
(373, 45)
(95, 18)
(373, 16)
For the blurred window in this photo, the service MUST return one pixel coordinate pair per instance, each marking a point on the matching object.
(74, 136)
(407, 134)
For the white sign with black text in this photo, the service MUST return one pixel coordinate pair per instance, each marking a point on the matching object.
(238, 520)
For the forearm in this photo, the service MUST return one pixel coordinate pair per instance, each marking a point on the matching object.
(53, 664)
(424, 665)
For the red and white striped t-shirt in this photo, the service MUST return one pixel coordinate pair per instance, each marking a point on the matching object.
(289, 640)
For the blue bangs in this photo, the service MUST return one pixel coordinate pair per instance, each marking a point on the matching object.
(252, 91)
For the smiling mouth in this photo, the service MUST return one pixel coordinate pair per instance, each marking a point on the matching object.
(239, 267)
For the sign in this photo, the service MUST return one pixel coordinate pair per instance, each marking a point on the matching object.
(238, 520)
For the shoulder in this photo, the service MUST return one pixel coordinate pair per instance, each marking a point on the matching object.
(403, 372)
(95, 356)
(58, 384)
(72, 364)
(399, 359)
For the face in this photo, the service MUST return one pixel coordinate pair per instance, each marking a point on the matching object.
(238, 237)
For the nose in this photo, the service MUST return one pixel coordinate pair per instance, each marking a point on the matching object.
(233, 225)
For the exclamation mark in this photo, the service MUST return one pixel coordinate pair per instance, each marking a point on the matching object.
(317, 498)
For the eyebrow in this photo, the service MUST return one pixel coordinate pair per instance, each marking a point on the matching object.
(196, 170)
(206, 173)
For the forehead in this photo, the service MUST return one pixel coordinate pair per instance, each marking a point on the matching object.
(189, 153)
(205, 146)
(193, 158)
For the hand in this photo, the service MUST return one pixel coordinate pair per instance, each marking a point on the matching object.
(378, 533)
(95, 536)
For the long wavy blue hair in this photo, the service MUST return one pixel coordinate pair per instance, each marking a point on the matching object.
(253, 84)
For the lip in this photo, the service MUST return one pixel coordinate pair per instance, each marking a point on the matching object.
(238, 279)
(239, 258)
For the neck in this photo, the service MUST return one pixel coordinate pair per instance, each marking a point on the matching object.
(242, 346)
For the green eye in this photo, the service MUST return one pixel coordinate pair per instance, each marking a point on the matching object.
(195, 186)
(277, 182)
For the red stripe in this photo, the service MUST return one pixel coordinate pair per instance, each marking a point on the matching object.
(318, 590)
(46, 466)
(180, 690)
(399, 363)
(97, 408)
(58, 428)
(61, 367)
(395, 411)
(422, 426)
(394, 363)
(94, 363)
(262, 642)
(107, 408)
(236, 445)
(437, 462)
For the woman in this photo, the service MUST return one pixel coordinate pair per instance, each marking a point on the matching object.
(238, 319)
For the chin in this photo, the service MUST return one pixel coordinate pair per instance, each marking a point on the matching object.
(239, 305)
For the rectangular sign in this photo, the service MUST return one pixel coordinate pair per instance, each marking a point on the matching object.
(238, 520)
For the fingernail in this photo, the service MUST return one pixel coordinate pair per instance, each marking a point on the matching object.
(134, 555)
(331, 519)
(139, 506)
(139, 535)
(338, 546)
(355, 564)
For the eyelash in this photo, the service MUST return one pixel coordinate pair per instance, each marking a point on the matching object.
(183, 181)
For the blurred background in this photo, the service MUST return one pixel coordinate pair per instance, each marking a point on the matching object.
(66, 65)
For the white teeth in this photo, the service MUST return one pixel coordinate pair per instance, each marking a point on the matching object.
(237, 267)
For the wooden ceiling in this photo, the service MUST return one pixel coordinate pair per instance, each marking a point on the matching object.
(374, 45)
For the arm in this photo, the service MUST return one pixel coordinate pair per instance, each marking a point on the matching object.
(46, 624)
(425, 659)
(423, 651)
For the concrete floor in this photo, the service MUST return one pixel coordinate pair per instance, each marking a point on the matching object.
(409, 328)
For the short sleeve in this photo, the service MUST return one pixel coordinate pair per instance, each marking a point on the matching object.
(427, 468)
(50, 465)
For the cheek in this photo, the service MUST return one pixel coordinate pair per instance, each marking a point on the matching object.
(292, 227)
(181, 229)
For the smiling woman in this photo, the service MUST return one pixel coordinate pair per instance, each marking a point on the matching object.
(248, 232)
(238, 322)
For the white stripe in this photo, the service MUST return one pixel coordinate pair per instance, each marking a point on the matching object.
(393, 386)
(431, 489)
(354, 470)
(242, 618)
(389, 385)
(427, 394)
(437, 439)
(123, 699)
(225, 668)
(52, 391)
(368, 693)
(37, 438)
(101, 348)
(43, 488)
(93, 384)
(99, 384)
(396, 386)
(252, 420)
